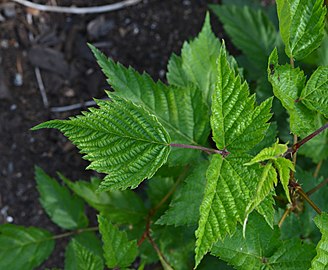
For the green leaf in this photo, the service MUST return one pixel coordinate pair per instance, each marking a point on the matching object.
(181, 111)
(284, 166)
(237, 124)
(301, 25)
(175, 73)
(320, 261)
(269, 153)
(259, 39)
(24, 248)
(315, 94)
(65, 210)
(120, 206)
(264, 187)
(120, 139)
(184, 207)
(199, 58)
(80, 257)
(287, 83)
(118, 250)
(227, 194)
(262, 249)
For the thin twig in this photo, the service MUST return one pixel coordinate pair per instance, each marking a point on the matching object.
(284, 216)
(300, 191)
(75, 106)
(316, 188)
(78, 10)
(67, 234)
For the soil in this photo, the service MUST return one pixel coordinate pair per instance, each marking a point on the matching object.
(143, 36)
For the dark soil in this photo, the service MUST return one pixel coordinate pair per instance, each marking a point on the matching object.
(143, 36)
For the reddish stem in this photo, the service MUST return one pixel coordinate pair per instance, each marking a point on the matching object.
(224, 152)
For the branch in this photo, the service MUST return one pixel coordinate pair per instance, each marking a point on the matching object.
(78, 10)
(63, 235)
(223, 153)
(294, 148)
(316, 188)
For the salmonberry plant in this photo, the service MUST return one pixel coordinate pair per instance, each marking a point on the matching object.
(215, 150)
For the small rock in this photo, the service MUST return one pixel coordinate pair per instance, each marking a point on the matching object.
(99, 27)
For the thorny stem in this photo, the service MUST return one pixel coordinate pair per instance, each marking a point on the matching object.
(224, 152)
(63, 235)
(294, 148)
(316, 188)
(300, 191)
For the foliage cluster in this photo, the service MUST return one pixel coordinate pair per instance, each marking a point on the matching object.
(217, 146)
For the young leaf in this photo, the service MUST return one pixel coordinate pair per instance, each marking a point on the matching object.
(118, 250)
(181, 111)
(237, 124)
(315, 94)
(24, 248)
(198, 61)
(64, 209)
(120, 139)
(175, 73)
(287, 83)
(120, 206)
(259, 39)
(301, 26)
(262, 249)
(320, 261)
(80, 257)
(184, 207)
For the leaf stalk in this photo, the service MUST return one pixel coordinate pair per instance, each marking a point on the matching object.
(223, 153)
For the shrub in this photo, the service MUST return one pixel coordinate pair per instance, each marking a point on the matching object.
(221, 175)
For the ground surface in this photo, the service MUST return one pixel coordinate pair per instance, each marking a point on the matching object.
(142, 36)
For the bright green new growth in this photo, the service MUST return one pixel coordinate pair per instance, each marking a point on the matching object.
(120, 139)
(321, 259)
(118, 250)
(237, 125)
(301, 26)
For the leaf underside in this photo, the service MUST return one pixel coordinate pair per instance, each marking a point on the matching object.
(120, 139)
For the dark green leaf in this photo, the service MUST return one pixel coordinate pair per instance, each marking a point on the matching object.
(24, 248)
(65, 210)
(118, 250)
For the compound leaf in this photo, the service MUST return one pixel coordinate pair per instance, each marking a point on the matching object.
(65, 210)
(288, 83)
(24, 248)
(301, 25)
(320, 261)
(118, 250)
(259, 39)
(315, 94)
(80, 257)
(184, 207)
(181, 111)
(120, 139)
(237, 124)
(121, 206)
(262, 249)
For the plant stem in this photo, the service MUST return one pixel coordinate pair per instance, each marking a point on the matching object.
(284, 216)
(316, 188)
(224, 152)
(63, 235)
(294, 148)
(317, 169)
(300, 191)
